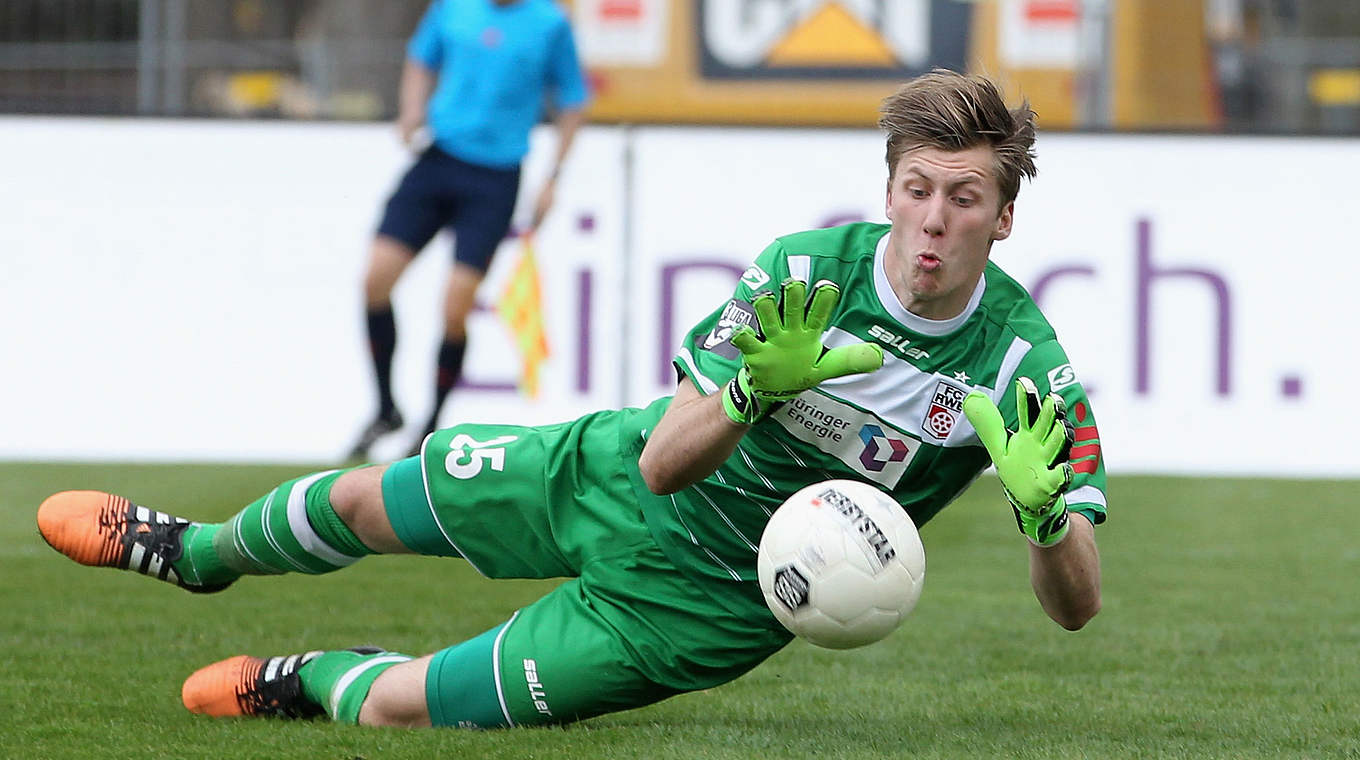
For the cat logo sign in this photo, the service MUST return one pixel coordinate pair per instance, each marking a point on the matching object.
(830, 38)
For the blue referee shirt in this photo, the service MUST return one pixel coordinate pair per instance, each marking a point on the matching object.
(496, 66)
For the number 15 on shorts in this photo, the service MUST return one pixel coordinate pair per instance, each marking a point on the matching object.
(467, 455)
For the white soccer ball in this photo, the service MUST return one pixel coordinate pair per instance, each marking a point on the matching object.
(841, 564)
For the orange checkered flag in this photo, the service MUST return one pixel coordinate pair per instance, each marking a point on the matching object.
(521, 307)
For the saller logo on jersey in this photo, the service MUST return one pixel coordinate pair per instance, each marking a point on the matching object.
(536, 692)
(898, 342)
(865, 527)
(946, 404)
(861, 440)
(719, 340)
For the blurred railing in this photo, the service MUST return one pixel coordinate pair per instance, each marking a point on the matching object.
(1279, 66)
(291, 58)
(1286, 66)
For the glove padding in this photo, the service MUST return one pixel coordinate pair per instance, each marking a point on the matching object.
(790, 358)
(1031, 462)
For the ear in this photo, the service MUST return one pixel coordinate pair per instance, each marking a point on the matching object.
(887, 201)
(1004, 220)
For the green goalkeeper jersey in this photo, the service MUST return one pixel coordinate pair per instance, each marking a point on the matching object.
(901, 428)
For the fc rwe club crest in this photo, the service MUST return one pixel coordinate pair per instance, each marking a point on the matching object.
(946, 404)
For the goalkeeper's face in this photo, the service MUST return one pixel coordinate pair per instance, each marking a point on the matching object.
(946, 211)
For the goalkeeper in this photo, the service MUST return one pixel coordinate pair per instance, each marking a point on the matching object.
(896, 354)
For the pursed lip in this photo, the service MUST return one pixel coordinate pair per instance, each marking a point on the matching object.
(928, 261)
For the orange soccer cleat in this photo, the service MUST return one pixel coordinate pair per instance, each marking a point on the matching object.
(254, 686)
(248, 686)
(103, 530)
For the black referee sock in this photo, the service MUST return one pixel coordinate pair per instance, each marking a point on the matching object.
(449, 371)
(382, 343)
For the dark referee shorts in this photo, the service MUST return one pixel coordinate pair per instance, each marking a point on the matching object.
(443, 191)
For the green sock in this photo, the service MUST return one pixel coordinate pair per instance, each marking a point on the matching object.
(200, 563)
(293, 528)
(339, 681)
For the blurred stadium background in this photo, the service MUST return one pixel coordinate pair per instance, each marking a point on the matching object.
(187, 190)
(1260, 66)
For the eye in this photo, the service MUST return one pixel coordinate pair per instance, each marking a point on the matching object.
(916, 192)
(963, 201)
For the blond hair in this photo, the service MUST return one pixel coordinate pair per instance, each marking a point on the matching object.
(952, 111)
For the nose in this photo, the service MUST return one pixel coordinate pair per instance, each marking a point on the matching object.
(934, 222)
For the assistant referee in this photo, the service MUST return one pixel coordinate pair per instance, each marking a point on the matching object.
(478, 75)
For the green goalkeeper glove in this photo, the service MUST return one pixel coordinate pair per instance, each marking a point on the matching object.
(790, 358)
(1031, 462)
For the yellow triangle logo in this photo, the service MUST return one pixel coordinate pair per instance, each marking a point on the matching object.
(831, 37)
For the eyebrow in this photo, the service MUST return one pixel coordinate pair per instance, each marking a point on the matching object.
(968, 178)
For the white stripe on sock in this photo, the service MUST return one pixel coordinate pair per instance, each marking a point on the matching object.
(268, 531)
(496, 669)
(347, 680)
(302, 529)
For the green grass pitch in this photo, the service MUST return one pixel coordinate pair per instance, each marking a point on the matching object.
(1231, 628)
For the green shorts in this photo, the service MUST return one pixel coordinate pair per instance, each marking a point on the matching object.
(627, 630)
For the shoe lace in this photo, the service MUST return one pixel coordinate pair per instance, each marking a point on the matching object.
(281, 697)
(163, 539)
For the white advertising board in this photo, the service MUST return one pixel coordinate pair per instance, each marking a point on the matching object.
(1200, 283)
(190, 290)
